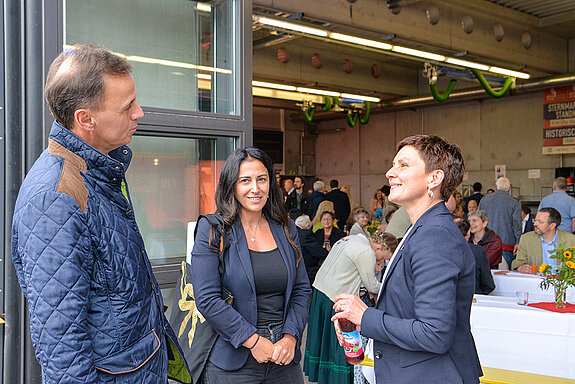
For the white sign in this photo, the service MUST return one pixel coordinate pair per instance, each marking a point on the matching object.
(500, 171)
(534, 173)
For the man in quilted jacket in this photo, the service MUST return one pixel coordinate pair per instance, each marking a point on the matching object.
(96, 311)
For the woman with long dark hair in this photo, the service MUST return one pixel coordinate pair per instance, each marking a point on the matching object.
(260, 332)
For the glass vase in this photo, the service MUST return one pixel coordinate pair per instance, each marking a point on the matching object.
(560, 294)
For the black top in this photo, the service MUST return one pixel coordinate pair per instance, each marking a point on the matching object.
(484, 283)
(312, 252)
(334, 236)
(270, 276)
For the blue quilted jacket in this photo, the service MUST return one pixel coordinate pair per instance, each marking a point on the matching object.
(96, 311)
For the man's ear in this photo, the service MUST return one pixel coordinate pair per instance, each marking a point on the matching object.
(83, 121)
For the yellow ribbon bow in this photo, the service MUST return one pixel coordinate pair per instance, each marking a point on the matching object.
(188, 305)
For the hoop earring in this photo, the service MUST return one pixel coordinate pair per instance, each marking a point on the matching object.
(429, 192)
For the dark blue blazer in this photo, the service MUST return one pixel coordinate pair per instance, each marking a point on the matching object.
(529, 225)
(237, 322)
(420, 324)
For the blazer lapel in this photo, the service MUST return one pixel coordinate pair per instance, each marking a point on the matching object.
(539, 253)
(393, 265)
(243, 252)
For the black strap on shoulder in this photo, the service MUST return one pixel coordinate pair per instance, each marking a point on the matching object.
(217, 223)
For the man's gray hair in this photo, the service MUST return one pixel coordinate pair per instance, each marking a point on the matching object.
(480, 213)
(560, 183)
(503, 184)
(75, 80)
(303, 221)
(318, 186)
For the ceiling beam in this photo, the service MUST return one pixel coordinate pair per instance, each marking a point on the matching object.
(557, 19)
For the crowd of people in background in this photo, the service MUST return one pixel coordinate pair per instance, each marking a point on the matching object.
(346, 249)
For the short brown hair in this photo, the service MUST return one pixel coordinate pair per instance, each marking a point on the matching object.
(437, 153)
(81, 83)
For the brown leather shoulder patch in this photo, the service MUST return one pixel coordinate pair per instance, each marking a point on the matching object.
(71, 181)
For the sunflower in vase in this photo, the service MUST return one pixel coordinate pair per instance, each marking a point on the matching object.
(560, 276)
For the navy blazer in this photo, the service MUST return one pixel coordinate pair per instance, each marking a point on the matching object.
(237, 322)
(420, 324)
(529, 225)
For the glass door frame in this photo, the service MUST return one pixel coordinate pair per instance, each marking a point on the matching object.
(162, 121)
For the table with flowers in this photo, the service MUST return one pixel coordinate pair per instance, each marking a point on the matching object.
(523, 344)
(509, 282)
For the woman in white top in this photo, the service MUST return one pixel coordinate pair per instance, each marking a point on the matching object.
(350, 264)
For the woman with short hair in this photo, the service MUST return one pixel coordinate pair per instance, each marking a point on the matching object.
(361, 220)
(329, 234)
(420, 324)
(481, 235)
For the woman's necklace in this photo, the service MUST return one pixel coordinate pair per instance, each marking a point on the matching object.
(255, 227)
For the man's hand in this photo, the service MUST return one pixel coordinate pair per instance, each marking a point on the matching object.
(284, 350)
(515, 248)
(525, 268)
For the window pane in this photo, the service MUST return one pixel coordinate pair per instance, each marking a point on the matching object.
(182, 51)
(172, 180)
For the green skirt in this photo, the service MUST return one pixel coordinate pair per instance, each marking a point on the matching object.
(324, 361)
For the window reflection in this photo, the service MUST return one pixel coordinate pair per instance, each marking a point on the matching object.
(182, 51)
(172, 180)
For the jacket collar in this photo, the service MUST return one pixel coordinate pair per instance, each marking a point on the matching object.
(108, 168)
(436, 210)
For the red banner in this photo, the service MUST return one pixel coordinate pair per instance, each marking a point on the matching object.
(559, 120)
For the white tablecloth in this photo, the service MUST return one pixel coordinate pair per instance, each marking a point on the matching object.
(508, 284)
(521, 338)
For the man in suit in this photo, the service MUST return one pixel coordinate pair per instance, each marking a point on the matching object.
(340, 202)
(299, 202)
(288, 188)
(318, 195)
(536, 247)
(475, 196)
(312, 251)
(527, 223)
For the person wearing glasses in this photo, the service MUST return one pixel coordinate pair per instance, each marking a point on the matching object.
(328, 235)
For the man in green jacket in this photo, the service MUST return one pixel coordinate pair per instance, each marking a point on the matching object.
(535, 247)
